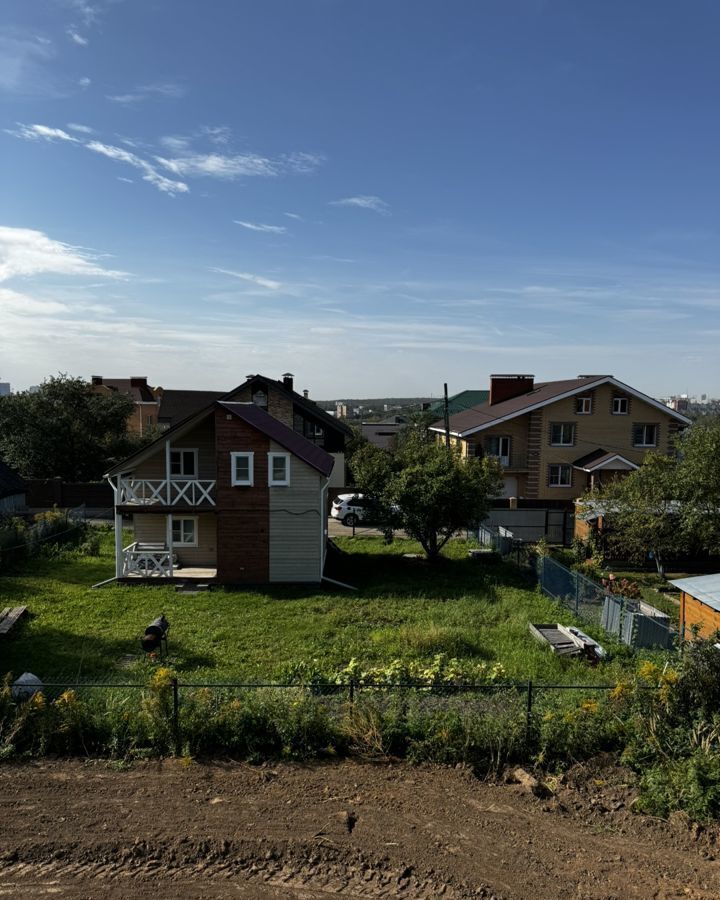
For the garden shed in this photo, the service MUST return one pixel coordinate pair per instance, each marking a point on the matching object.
(699, 605)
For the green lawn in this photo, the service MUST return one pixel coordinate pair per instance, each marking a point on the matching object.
(404, 609)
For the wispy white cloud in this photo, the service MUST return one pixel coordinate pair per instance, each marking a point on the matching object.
(257, 226)
(253, 279)
(126, 180)
(185, 164)
(25, 64)
(239, 165)
(176, 143)
(84, 82)
(40, 133)
(364, 201)
(169, 89)
(26, 252)
(303, 163)
(89, 13)
(216, 165)
(293, 216)
(76, 37)
(217, 134)
(150, 173)
(82, 129)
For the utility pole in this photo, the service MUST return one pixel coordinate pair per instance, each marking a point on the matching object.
(446, 410)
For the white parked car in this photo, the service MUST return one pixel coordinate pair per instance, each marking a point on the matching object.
(352, 509)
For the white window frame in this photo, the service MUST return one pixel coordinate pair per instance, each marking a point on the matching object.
(500, 439)
(242, 454)
(561, 443)
(183, 476)
(584, 406)
(645, 425)
(180, 519)
(559, 467)
(284, 482)
(616, 402)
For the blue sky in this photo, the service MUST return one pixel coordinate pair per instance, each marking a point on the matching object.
(378, 197)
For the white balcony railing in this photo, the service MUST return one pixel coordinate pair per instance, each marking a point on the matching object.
(145, 492)
(147, 561)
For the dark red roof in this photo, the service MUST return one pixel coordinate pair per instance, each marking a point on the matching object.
(297, 445)
(139, 392)
(485, 414)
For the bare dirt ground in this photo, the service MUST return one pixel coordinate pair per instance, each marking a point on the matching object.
(167, 830)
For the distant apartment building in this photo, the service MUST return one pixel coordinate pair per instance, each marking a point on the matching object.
(147, 399)
(5, 389)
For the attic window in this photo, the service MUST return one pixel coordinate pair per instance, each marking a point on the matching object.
(260, 398)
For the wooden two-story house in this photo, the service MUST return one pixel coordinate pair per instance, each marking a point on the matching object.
(556, 439)
(229, 495)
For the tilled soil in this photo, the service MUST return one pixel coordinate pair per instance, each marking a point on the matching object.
(171, 830)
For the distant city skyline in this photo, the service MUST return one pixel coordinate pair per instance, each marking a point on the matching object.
(374, 196)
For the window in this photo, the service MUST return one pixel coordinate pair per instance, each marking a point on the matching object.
(620, 406)
(645, 435)
(562, 434)
(278, 468)
(560, 475)
(184, 531)
(241, 469)
(584, 406)
(498, 446)
(183, 463)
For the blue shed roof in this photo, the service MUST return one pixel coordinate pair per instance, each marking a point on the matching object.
(705, 588)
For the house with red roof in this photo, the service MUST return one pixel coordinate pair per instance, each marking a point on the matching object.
(557, 439)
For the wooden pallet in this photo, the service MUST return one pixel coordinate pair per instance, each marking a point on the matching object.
(9, 617)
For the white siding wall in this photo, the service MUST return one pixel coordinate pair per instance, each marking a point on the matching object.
(295, 524)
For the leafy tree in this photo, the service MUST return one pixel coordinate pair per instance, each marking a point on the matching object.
(698, 488)
(65, 430)
(427, 489)
(640, 511)
(671, 503)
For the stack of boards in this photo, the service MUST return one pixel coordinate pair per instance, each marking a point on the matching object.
(567, 640)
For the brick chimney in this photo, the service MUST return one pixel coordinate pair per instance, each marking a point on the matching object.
(138, 381)
(96, 379)
(287, 380)
(505, 387)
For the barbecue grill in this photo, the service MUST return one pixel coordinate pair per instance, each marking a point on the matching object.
(154, 640)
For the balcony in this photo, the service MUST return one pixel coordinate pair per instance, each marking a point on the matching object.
(161, 492)
(515, 461)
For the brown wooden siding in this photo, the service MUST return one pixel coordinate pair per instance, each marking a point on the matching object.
(694, 612)
(243, 512)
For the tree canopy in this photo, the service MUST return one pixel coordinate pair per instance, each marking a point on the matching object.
(427, 489)
(64, 430)
(671, 504)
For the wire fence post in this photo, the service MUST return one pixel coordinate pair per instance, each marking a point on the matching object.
(176, 717)
(528, 710)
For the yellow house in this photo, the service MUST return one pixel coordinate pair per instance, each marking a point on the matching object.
(556, 439)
